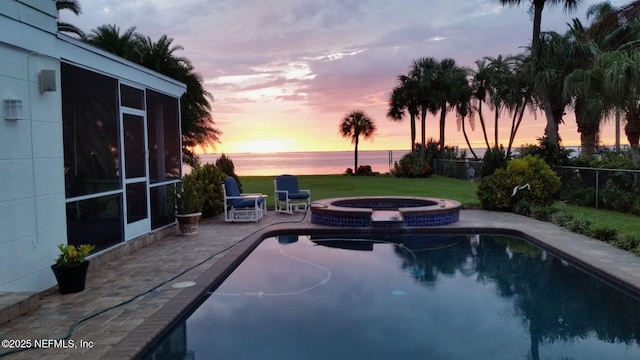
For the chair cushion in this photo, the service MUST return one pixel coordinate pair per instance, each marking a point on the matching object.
(231, 187)
(245, 203)
(290, 184)
(293, 196)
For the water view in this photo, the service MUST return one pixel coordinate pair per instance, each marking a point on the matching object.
(307, 163)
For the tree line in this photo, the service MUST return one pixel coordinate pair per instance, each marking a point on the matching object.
(591, 69)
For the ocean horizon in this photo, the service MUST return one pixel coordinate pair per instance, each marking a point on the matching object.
(306, 163)
(316, 162)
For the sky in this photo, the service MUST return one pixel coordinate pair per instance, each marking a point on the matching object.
(284, 73)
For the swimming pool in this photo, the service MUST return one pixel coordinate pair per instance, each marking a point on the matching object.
(385, 296)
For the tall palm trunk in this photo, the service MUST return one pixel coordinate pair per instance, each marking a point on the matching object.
(413, 132)
(515, 124)
(538, 6)
(588, 127)
(484, 127)
(495, 129)
(632, 130)
(443, 116)
(466, 138)
(553, 112)
(423, 148)
(355, 156)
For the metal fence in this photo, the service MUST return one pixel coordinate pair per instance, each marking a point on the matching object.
(615, 189)
(459, 169)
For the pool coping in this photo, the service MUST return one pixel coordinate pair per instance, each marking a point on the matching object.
(618, 267)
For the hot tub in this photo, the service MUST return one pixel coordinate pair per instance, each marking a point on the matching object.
(385, 211)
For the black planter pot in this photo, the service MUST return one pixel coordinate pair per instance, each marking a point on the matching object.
(71, 279)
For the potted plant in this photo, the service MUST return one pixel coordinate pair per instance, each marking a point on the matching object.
(190, 197)
(71, 267)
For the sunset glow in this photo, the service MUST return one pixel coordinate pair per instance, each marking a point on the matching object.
(263, 146)
(284, 74)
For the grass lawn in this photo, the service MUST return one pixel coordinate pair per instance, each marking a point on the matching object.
(330, 186)
(625, 223)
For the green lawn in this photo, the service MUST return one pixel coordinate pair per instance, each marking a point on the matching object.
(330, 186)
(625, 223)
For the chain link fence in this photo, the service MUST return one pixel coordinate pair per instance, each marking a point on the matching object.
(614, 189)
(459, 169)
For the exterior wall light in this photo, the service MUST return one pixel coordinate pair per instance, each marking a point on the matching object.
(47, 79)
(12, 109)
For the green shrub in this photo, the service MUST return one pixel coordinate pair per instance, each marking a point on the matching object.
(572, 223)
(604, 233)
(577, 186)
(539, 212)
(635, 209)
(490, 199)
(616, 199)
(225, 164)
(212, 178)
(552, 154)
(627, 242)
(364, 170)
(606, 159)
(562, 218)
(190, 195)
(527, 180)
(409, 166)
(578, 195)
(493, 160)
(581, 226)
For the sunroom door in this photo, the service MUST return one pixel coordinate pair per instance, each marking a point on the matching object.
(136, 179)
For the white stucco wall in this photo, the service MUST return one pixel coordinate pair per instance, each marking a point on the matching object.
(32, 189)
(32, 211)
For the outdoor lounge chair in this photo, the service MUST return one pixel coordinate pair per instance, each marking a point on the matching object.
(242, 207)
(288, 197)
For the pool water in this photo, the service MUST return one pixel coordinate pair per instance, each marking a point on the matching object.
(434, 297)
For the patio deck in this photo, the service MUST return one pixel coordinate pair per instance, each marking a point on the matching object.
(123, 331)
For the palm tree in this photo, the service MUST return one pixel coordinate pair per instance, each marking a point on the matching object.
(404, 96)
(548, 102)
(537, 6)
(607, 81)
(447, 80)
(198, 127)
(482, 88)
(423, 72)
(499, 83)
(108, 37)
(355, 124)
(160, 55)
(74, 7)
(621, 73)
(500, 75)
(546, 73)
(585, 86)
(462, 102)
(620, 66)
(518, 96)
